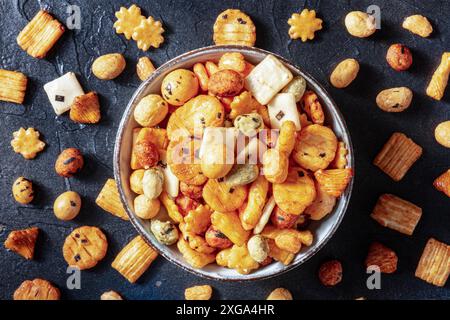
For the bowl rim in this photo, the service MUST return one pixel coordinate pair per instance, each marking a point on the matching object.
(312, 82)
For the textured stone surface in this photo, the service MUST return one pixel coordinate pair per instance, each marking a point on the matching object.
(188, 26)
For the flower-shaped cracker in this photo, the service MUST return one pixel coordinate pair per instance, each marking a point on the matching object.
(27, 143)
(128, 20)
(149, 34)
(304, 25)
(243, 104)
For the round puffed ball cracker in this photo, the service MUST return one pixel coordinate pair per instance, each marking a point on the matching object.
(232, 26)
(85, 247)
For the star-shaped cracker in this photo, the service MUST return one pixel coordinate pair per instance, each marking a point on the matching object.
(27, 143)
(149, 34)
(128, 20)
(304, 25)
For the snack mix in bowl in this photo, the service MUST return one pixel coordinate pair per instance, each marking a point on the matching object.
(233, 160)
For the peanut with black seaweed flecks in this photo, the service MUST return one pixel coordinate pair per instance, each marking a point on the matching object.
(69, 162)
(22, 190)
(67, 205)
(164, 231)
(394, 99)
(179, 86)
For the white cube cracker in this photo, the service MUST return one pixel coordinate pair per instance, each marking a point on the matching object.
(267, 79)
(62, 92)
(283, 108)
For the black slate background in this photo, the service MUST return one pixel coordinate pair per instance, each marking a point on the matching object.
(188, 26)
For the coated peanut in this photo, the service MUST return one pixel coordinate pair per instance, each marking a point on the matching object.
(109, 66)
(418, 24)
(442, 134)
(344, 73)
(394, 99)
(359, 24)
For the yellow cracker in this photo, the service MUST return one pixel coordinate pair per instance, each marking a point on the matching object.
(144, 68)
(196, 242)
(397, 156)
(222, 197)
(442, 183)
(148, 34)
(183, 160)
(156, 136)
(109, 200)
(232, 61)
(22, 242)
(244, 104)
(37, 289)
(232, 26)
(27, 143)
(278, 254)
(12, 86)
(171, 207)
(334, 181)
(238, 258)
(304, 25)
(198, 293)
(128, 20)
(194, 258)
(40, 35)
(229, 224)
(198, 220)
(439, 81)
(340, 160)
(434, 265)
(397, 214)
(85, 247)
(134, 163)
(86, 109)
(296, 193)
(257, 196)
(134, 259)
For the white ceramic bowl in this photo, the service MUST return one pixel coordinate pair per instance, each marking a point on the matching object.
(323, 230)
